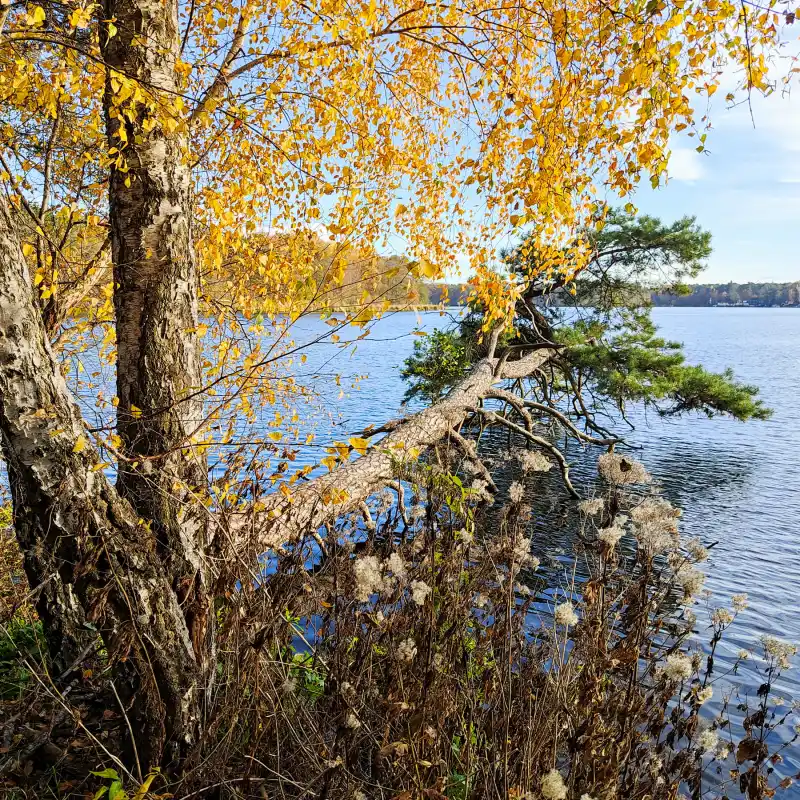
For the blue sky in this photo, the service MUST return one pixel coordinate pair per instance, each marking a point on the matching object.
(746, 190)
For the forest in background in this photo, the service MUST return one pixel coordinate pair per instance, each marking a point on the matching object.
(751, 294)
(702, 294)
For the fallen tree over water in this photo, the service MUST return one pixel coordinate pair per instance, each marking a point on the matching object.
(105, 576)
(350, 484)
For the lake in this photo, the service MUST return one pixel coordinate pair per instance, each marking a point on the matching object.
(737, 483)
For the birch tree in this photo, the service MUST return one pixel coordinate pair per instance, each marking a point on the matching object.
(144, 146)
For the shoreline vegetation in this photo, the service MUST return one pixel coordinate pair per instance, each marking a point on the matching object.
(218, 620)
(400, 640)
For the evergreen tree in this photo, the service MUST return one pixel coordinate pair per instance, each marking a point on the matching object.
(610, 353)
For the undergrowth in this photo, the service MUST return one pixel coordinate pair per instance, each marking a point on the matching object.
(426, 655)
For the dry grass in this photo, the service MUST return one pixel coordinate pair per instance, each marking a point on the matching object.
(422, 658)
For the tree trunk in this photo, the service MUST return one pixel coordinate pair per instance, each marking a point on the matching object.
(97, 563)
(155, 299)
(101, 567)
(322, 500)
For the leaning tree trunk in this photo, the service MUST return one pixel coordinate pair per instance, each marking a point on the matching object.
(155, 300)
(285, 519)
(91, 558)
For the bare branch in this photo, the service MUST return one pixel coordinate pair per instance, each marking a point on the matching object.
(493, 416)
(567, 423)
(469, 450)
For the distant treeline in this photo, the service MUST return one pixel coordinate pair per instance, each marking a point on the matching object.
(456, 293)
(750, 294)
(703, 294)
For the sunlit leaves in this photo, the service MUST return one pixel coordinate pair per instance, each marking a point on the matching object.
(342, 152)
(35, 17)
(358, 444)
(81, 16)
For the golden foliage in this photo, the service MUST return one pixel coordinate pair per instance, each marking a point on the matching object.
(424, 128)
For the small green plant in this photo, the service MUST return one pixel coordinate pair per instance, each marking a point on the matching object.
(21, 642)
(310, 678)
(114, 789)
(438, 361)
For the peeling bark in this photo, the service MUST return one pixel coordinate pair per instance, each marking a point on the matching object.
(97, 564)
(155, 300)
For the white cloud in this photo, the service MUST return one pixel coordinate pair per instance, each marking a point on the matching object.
(777, 117)
(685, 164)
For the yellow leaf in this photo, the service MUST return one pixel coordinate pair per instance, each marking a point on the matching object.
(428, 269)
(27, 249)
(330, 462)
(36, 17)
(80, 444)
(80, 18)
(358, 444)
(276, 436)
(144, 788)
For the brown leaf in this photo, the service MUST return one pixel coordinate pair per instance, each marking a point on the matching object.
(625, 655)
(750, 750)
(394, 748)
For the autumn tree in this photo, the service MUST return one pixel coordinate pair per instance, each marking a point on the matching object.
(144, 146)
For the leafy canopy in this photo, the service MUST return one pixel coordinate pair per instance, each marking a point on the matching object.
(426, 127)
(431, 123)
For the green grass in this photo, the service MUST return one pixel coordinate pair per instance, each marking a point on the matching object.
(20, 640)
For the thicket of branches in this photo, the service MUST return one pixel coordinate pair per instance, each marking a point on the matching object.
(431, 654)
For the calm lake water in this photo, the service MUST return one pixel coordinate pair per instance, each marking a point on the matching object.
(737, 483)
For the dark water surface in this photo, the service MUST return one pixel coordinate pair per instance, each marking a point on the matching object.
(737, 483)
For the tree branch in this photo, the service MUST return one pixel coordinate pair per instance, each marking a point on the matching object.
(281, 519)
(567, 423)
(493, 416)
(221, 80)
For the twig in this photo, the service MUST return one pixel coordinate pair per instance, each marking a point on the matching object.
(130, 731)
(492, 416)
